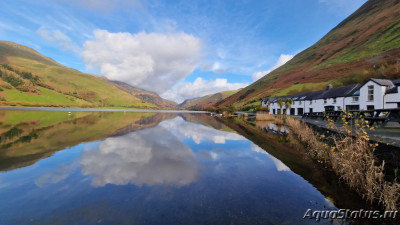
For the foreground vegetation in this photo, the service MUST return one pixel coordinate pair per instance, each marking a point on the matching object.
(350, 154)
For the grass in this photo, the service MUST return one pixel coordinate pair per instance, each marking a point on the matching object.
(62, 86)
(350, 155)
(300, 88)
(47, 96)
(264, 117)
(377, 44)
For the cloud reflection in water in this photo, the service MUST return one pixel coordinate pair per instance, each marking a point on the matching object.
(147, 157)
(280, 166)
(198, 132)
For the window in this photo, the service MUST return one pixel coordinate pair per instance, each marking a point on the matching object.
(334, 100)
(355, 99)
(311, 102)
(325, 101)
(370, 107)
(352, 107)
(370, 93)
(299, 102)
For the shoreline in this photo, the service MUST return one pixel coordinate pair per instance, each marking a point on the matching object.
(58, 109)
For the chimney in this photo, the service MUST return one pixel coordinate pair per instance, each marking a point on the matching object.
(329, 86)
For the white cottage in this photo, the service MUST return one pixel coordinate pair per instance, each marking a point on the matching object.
(374, 94)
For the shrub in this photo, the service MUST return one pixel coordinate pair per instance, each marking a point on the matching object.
(11, 79)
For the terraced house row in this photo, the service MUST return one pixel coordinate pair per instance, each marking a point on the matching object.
(374, 94)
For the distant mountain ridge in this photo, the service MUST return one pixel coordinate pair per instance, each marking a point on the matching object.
(28, 78)
(206, 101)
(147, 96)
(365, 45)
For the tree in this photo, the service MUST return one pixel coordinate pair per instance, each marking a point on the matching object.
(288, 103)
(281, 101)
(230, 109)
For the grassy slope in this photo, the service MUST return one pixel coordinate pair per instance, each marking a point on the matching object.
(366, 44)
(63, 80)
(206, 101)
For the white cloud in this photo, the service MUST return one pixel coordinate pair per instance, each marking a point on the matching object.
(58, 37)
(200, 87)
(152, 61)
(151, 156)
(283, 58)
(258, 75)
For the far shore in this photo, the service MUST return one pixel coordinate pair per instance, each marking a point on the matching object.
(96, 109)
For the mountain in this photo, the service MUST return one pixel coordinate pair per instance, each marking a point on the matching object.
(146, 96)
(364, 45)
(31, 79)
(206, 101)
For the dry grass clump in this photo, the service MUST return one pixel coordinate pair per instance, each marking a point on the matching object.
(264, 117)
(351, 156)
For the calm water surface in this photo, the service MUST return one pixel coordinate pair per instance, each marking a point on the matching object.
(148, 168)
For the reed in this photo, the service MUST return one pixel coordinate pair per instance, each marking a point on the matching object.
(350, 155)
(264, 117)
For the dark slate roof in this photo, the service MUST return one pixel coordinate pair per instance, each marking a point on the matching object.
(344, 91)
(396, 82)
(383, 82)
(314, 95)
(350, 90)
(392, 90)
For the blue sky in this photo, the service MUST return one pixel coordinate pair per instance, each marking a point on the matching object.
(179, 49)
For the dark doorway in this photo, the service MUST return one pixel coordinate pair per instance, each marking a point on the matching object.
(292, 111)
(300, 111)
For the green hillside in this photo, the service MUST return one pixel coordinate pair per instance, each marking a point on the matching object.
(30, 79)
(365, 45)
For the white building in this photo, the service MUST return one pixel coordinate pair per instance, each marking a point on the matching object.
(374, 94)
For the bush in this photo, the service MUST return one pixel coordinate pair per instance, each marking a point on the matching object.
(262, 109)
(14, 81)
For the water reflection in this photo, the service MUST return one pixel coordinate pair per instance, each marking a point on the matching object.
(58, 175)
(198, 132)
(137, 168)
(147, 157)
(28, 136)
(273, 128)
(280, 166)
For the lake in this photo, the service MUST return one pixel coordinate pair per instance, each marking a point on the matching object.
(157, 168)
